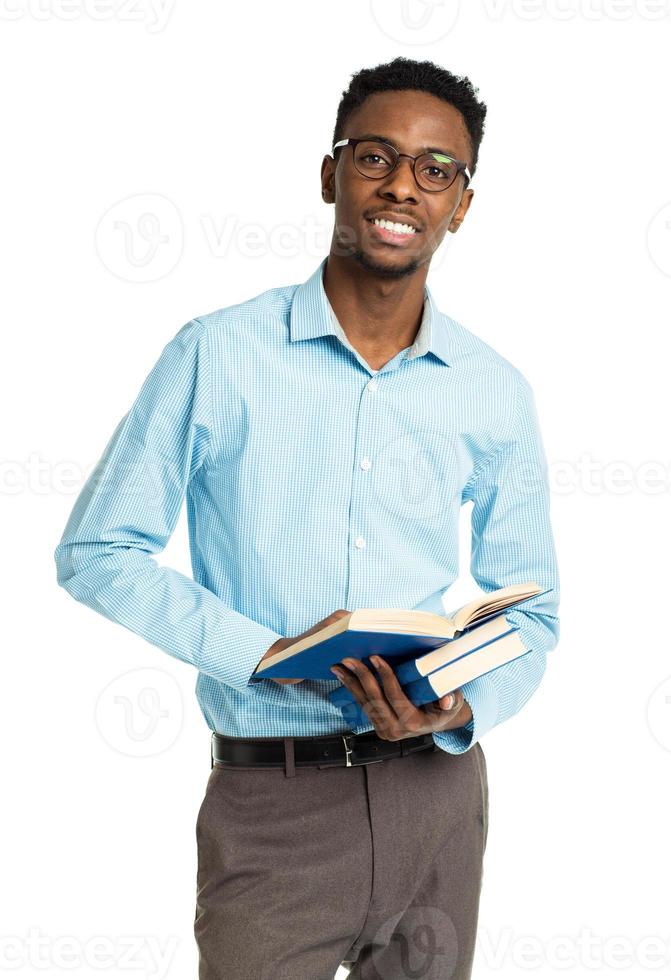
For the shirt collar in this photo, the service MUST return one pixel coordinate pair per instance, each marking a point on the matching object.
(312, 316)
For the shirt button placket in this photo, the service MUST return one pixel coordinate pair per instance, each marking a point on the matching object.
(361, 491)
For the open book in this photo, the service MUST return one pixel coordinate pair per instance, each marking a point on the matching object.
(395, 634)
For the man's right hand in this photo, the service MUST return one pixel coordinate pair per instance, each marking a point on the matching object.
(286, 641)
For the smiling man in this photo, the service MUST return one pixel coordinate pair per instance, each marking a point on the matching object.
(325, 435)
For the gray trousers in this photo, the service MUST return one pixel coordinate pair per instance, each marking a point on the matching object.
(377, 868)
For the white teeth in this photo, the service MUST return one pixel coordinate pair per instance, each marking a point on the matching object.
(394, 226)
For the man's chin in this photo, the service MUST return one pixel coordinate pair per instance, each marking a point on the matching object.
(377, 266)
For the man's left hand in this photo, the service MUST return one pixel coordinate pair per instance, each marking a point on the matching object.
(391, 712)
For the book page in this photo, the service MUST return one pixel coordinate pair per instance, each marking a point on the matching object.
(498, 599)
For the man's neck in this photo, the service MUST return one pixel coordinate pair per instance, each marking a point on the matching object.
(380, 317)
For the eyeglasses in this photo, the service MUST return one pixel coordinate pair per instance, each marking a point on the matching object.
(376, 159)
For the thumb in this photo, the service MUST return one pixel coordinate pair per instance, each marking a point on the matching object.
(447, 702)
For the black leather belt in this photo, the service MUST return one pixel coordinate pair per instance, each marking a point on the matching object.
(346, 749)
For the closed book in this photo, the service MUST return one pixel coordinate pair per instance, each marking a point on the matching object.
(396, 634)
(418, 667)
(446, 679)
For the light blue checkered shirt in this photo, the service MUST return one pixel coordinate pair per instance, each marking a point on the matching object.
(314, 483)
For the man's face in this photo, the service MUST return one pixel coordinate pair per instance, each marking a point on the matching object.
(413, 122)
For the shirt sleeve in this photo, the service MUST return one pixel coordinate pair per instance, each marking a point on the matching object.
(128, 509)
(511, 542)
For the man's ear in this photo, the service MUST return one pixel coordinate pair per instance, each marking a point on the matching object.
(327, 179)
(462, 208)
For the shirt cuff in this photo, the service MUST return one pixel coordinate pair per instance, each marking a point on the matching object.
(483, 700)
(233, 661)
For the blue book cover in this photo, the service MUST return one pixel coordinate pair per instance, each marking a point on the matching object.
(315, 661)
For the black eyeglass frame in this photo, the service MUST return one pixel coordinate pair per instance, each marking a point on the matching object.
(351, 141)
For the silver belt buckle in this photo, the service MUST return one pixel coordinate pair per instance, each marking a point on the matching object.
(348, 750)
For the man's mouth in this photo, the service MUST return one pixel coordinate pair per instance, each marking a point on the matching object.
(392, 231)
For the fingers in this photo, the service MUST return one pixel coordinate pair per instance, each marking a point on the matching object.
(332, 618)
(405, 710)
(348, 673)
(389, 711)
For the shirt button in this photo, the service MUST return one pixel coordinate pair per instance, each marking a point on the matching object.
(360, 543)
(372, 385)
(365, 463)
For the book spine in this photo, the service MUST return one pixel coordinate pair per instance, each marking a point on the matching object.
(407, 672)
(340, 696)
(420, 692)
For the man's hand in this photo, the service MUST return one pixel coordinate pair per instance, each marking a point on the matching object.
(286, 641)
(393, 715)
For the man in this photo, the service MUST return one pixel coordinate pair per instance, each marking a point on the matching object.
(325, 436)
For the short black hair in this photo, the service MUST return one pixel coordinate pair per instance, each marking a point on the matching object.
(424, 76)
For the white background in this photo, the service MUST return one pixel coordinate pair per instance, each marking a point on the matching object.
(111, 111)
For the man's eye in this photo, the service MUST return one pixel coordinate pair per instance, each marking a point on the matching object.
(437, 172)
(374, 156)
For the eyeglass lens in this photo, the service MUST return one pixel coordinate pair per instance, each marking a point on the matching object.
(433, 171)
